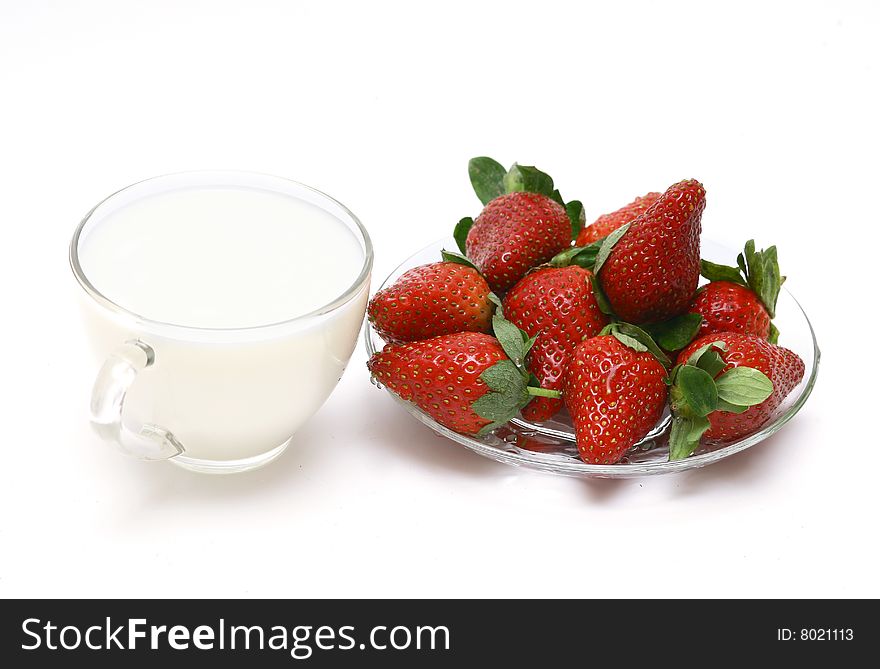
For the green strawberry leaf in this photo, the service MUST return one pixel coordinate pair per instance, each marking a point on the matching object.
(744, 386)
(556, 196)
(499, 407)
(741, 263)
(628, 341)
(677, 332)
(773, 337)
(513, 340)
(601, 298)
(684, 436)
(711, 362)
(576, 215)
(724, 405)
(582, 256)
(693, 395)
(494, 299)
(564, 258)
(508, 335)
(527, 346)
(750, 258)
(716, 272)
(643, 340)
(696, 355)
(462, 228)
(502, 376)
(526, 178)
(487, 178)
(452, 256)
(507, 394)
(771, 269)
(608, 245)
(495, 406)
(762, 274)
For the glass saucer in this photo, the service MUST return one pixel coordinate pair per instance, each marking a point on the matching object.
(550, 446)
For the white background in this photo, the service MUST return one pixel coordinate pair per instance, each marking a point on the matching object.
(772, 105)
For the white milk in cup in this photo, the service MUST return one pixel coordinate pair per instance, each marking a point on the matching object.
(223, 308)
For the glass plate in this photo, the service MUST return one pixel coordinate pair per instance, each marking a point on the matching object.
(550, 446)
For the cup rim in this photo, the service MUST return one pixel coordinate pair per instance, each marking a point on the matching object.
(103, 300)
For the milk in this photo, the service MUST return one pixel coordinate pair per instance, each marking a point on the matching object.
(220, 257)
(208, 277)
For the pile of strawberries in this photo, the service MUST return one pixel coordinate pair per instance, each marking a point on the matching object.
(539, 311)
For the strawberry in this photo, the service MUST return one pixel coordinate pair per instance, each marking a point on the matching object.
(469, 382)
(649, 269)
(608, 223)
(524, 222)
(615, 391)
(740, 299)
(730, 307)
(514, 233)
(431, 300)
(556, 305)
(725, 386)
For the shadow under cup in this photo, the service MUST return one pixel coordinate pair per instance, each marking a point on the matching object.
(216, 399)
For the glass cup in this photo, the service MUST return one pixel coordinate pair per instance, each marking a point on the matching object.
(216, 400)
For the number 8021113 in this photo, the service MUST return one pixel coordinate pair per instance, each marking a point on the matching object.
(815, 634)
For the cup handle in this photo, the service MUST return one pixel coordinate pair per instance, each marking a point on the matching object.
(117, 374)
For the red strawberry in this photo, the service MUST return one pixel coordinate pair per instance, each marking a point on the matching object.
(726, 386)
(741, 299)
(432, 300)
(556, 305)
(468, 381)
(514, 233)
(441, 375)
(730, 307)
(652, 272)
(608, 223)
(615, 396)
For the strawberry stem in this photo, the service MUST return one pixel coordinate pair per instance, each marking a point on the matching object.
(543, 392)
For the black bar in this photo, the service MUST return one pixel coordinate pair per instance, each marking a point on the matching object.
(435, 633)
